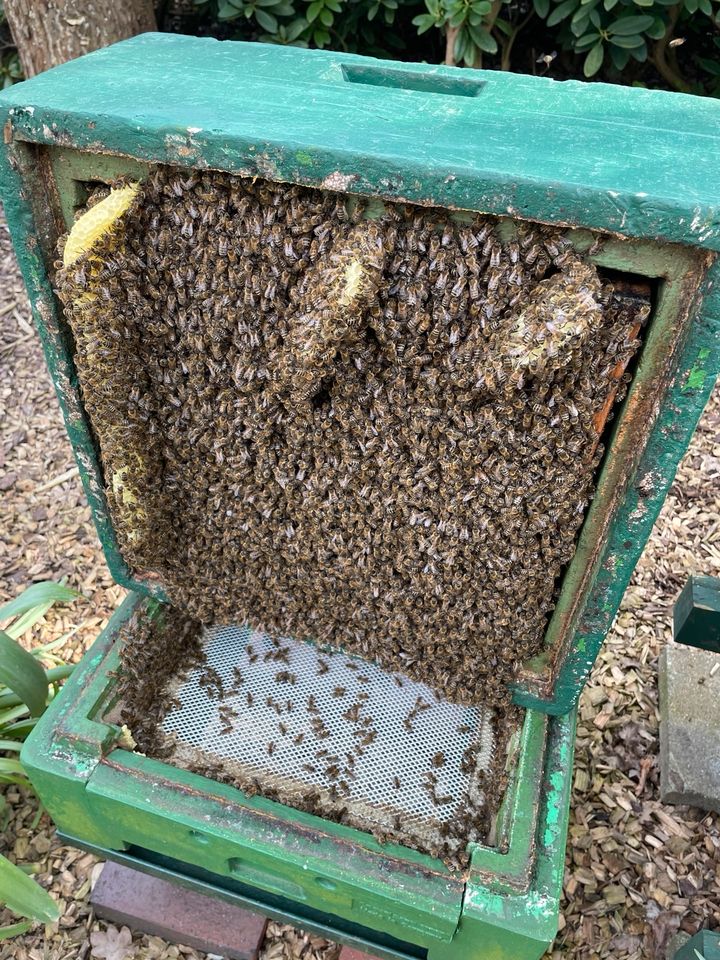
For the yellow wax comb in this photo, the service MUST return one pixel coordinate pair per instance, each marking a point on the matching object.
(88, 229)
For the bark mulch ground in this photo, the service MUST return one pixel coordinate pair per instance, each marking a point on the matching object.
(637, 870)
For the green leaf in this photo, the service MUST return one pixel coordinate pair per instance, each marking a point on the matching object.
(712, 66)
(561, 11)
(619, 57)
(267, 21)
(609, 4)
(589, 40)
(28, 619)
(227, 10)
(542, 7)
(36, 594)
(627, 43)
(10, 745)
(20, 671)
(631, 26)
(15, 929)
(639, 53)
(657, 30)
(326, 17)
(424, 22)
(20, 729)
(24, 896)
(578, 27)
(594, 59)
(313, 11)
(13, 713)
(487, 42)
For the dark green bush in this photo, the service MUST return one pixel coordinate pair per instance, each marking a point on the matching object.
(641, 42)
(10, 69)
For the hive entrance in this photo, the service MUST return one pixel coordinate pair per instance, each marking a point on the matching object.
(331, 732)
(372, 427)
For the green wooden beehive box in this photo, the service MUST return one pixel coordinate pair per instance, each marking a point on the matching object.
(413, 386)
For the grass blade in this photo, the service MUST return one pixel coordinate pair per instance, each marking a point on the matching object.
(23, 896)
(33, 596)
(15, 929)
(20, 671)
(7, 717)
(28, 619)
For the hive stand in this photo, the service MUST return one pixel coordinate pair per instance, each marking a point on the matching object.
(690, 699)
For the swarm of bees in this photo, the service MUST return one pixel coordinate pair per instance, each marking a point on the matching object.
(371, 429)
(158, 645)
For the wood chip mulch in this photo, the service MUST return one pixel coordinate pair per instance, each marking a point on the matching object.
(637, 870)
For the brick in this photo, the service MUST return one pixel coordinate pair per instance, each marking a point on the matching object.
(164, 909)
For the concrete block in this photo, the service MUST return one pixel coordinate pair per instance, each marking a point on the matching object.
(690, 727)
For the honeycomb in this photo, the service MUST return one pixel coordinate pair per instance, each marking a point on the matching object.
(373, 426)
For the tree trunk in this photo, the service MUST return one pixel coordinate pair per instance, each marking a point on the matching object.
(49, 32)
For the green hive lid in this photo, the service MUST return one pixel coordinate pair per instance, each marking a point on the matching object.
(633, 162)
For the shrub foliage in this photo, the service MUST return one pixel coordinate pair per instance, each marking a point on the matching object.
(641, 42)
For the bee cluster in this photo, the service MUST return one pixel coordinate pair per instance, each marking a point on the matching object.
(370, 426)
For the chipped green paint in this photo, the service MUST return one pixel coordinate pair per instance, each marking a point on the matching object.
(696, 376)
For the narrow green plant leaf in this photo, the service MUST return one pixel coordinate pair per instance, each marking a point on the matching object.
(23, 896)
(11, 767)
(44, 592)
(628, 43)
(9, 716)
(13, 745)
(20, 671)
(15, 929)
(20, 729)
(28, 619)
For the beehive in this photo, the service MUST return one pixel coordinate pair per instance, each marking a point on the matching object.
(386, 428)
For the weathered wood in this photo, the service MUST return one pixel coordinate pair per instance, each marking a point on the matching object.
(49, 32)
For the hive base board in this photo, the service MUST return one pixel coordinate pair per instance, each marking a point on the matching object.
(338, 882)
(164, 909)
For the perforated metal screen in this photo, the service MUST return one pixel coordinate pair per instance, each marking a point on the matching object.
(294, 719)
